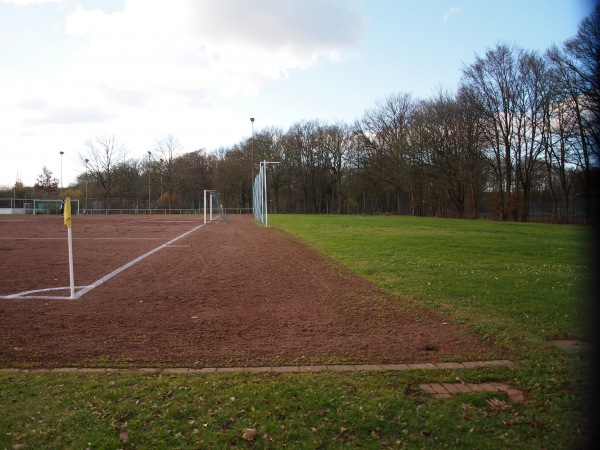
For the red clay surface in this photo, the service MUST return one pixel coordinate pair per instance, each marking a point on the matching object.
(225, 295)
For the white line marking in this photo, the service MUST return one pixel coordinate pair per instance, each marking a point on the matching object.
(80, 239)
(25, 294)
(85, 289)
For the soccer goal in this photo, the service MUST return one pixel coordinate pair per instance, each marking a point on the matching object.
(53, 206)
(213, 208)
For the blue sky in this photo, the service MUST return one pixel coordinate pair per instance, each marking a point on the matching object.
(199, 69)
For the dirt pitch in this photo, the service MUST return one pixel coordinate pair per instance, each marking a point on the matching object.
(225, 295)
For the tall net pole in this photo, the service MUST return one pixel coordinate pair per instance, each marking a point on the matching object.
(259, 196)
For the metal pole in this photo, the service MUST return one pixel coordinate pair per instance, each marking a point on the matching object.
(264, 199)
(161, 186)
(265, 205)
(71, 272)
(61, 181)
(149, 156)
(252, 145)
(86, 183)
(210, 202)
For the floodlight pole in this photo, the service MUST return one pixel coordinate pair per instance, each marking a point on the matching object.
(161, 188)
(252, 145)
(149, 156)
(61, 181)
(86, 183)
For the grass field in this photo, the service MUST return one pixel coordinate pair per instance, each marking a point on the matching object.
(519, 285)
(526, 279)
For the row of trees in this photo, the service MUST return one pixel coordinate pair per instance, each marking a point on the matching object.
(521, 131)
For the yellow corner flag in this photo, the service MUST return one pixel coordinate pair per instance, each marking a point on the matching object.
(67, 212)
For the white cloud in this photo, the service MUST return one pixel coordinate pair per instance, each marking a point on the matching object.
(305, 29)
(68, 115)
(144, 68)
(125, 97)
(226, 45)
(32, 2)
(451, 12)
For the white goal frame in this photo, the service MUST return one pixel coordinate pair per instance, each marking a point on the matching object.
(42, 206)
(216, 213)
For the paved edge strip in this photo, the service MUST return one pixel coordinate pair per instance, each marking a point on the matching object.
(274, 369)
(445, 390)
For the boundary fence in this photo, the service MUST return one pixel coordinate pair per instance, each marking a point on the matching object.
(99, 206)
(539, 210)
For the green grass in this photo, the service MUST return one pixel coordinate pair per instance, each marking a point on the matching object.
(324, 410)
(516, 284)
(527, 280)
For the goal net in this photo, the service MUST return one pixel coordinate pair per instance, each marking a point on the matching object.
(213, 208)
(259, 194)
(52, 206)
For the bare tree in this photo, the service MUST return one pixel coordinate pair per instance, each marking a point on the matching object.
(193, 174)
(452, 139)
(578, 67)
(564, 149)
(168, 147)
(493, 79)
(232, 175)
(305, 161)
(532, 99)
(390, 164)
(336, 141)
(104, 156)
(583, 59)
(269, 146)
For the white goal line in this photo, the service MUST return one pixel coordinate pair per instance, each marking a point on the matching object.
(85, 289)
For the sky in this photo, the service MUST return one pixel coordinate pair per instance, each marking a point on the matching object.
(198, 70)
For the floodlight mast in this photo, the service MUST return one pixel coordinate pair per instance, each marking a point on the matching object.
(61, 180)
(252, 145)
(86, 183)
(149, 162)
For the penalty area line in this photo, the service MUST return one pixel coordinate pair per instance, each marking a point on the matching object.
(95, 284)
(131, 263)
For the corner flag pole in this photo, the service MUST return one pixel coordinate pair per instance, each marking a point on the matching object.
(69, 224)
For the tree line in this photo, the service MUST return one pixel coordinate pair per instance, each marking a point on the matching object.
(519, 133)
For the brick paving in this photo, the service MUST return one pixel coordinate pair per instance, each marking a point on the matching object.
(280, 369)
(445, 390)
(437, 390)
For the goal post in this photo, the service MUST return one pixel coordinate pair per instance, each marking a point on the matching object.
(213, 207)
(42, 206)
